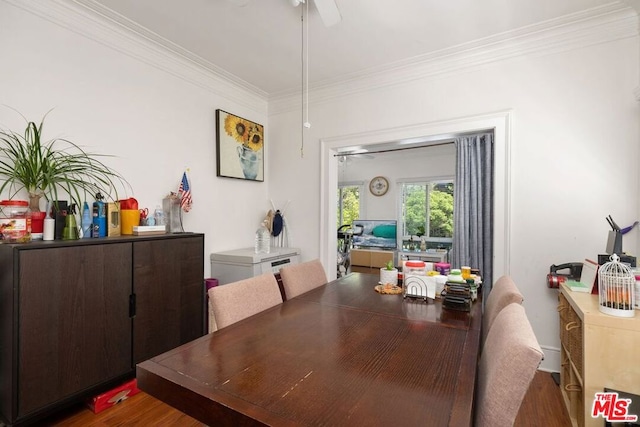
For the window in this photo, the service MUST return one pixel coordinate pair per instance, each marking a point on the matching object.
(348, 203)
(427, 210)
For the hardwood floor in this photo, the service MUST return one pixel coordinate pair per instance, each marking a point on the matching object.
(542, 406)
(140, 410)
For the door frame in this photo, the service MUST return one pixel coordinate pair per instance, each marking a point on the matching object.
(498, 122)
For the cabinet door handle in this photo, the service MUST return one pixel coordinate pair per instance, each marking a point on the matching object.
(571, 325)
(132, 305)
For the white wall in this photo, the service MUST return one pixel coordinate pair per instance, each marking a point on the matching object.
(573, 145)
(114, 97)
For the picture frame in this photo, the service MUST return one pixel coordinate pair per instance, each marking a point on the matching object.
(239, 147)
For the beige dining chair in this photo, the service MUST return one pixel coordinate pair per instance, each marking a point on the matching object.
(300, 278)
(235, 301)
(509, 360)
(503, 293)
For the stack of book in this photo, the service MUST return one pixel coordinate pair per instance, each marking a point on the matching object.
(456, 296)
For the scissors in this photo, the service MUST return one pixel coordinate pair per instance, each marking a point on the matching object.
(144, 213)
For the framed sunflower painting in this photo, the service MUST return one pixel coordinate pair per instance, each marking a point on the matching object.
(239, 147)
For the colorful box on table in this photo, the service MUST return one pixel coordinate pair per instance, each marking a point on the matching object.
(442, 267)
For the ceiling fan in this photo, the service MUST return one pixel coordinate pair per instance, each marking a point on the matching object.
(345, 159)
(328, 9)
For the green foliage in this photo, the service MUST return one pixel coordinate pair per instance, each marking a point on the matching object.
(350, 205)
(46, 167)
(415, 206)
(440, 210)
(441, 214)
(389, 265)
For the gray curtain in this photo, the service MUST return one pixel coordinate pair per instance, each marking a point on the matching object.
(473, 206)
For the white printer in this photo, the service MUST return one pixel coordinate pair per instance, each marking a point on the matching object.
(238, 264)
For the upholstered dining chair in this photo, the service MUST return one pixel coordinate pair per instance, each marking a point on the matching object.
(503, 293)
(300, 278)
(509, 360)
(238, 300)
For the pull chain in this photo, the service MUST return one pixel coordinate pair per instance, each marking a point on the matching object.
(304, 90)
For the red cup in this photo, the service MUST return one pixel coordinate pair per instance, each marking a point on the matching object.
(37, 222)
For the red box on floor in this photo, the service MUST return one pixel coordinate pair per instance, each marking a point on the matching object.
(114, 396)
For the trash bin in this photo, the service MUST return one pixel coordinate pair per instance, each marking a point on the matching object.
(211, 283)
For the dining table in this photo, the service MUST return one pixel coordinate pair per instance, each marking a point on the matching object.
(341, 354)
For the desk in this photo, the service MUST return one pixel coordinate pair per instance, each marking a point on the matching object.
(338, 355)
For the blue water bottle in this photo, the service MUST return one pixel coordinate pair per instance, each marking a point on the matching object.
(87, 222)
(99, 217)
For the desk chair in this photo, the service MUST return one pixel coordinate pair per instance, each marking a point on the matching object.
(509, 360)
(503, 293)
(238, 300)
(300, 278)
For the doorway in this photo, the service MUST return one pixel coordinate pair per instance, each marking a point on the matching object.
(499, 123)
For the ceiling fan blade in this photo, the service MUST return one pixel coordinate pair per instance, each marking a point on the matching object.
(328, 10)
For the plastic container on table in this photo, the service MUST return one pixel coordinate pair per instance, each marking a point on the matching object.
(15, 222)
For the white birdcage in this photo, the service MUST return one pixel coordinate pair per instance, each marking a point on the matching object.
(616, 288)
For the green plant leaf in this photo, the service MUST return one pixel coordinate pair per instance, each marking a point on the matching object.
(50, 167)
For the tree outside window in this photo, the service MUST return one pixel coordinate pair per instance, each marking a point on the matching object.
(348, 204)
(427, 210)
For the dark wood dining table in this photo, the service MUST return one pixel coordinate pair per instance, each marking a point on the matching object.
(339, 355)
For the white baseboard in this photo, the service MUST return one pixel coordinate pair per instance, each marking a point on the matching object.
(551, 362)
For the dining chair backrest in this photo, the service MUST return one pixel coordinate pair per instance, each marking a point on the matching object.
(300, 278)
(503, 293)
(238, 300)
(509, 360)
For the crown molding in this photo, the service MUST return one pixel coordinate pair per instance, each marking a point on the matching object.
(594, 26)
(88, 18)
(92, 20)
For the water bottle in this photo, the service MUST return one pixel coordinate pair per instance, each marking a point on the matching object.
(99, 223)
(49, 226)
(87, 221)
(158, 215)
(263, 240)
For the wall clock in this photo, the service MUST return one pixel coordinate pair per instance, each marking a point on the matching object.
(379, 186)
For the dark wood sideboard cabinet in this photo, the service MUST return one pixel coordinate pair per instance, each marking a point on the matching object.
(77, 316)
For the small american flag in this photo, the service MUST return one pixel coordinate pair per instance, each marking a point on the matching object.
(184, 192)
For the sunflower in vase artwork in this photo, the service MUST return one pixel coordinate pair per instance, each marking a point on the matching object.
(251, 137)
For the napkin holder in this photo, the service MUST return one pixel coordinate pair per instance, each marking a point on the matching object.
(418, 286)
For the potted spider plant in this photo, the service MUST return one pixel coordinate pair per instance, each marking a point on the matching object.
(53, 168)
